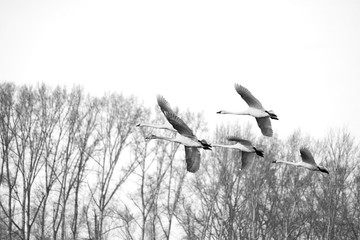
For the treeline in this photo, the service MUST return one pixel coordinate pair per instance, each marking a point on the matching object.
(74, 166)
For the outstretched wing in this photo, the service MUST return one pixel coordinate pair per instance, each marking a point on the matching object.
(246, 160)
(248, 97)
(163, 104)
(306, 156)
(179, 125)
(244, 142)
(192, 157)
(264, 124)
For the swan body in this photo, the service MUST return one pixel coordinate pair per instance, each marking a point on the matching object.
(255, 109)
(184, 136)
(307, 162)
(250, 111)
(245, 146)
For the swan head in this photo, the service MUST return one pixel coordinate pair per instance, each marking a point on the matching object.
(259, 152)
(205, 145)
(220, 112)
(138, 125)
(272, 115)
(323, 169)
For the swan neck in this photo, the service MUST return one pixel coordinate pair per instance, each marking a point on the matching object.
(162, 126)
(151, 125)
(221, 145)
(286, 162)
(236, 113)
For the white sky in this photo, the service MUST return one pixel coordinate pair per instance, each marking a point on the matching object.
(299, 58)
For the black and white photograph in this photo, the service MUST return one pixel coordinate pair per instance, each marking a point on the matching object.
(179, 120)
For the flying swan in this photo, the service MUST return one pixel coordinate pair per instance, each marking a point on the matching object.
(255, 109)
(184, 136)
(246, 147)
(307, 161)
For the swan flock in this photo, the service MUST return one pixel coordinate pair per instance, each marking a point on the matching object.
(185, 136)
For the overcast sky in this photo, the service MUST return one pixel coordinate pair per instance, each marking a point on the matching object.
(299, 58)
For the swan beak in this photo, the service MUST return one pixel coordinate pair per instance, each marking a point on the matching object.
(219, 112)
(137, 125)
(324, 170)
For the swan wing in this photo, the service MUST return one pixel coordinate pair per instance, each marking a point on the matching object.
(264, 124)
(179, 125)
(240, 140)
(306, 156)
(248, 97)
(192, 157)
(163, 104)
(246, 160)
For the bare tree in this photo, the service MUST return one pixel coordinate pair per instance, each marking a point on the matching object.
(30, 140)
(76, 141)
(30, 124)
(117, 119)
(52, 107)
(333, 194)
(7, 174)
(87, 142)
